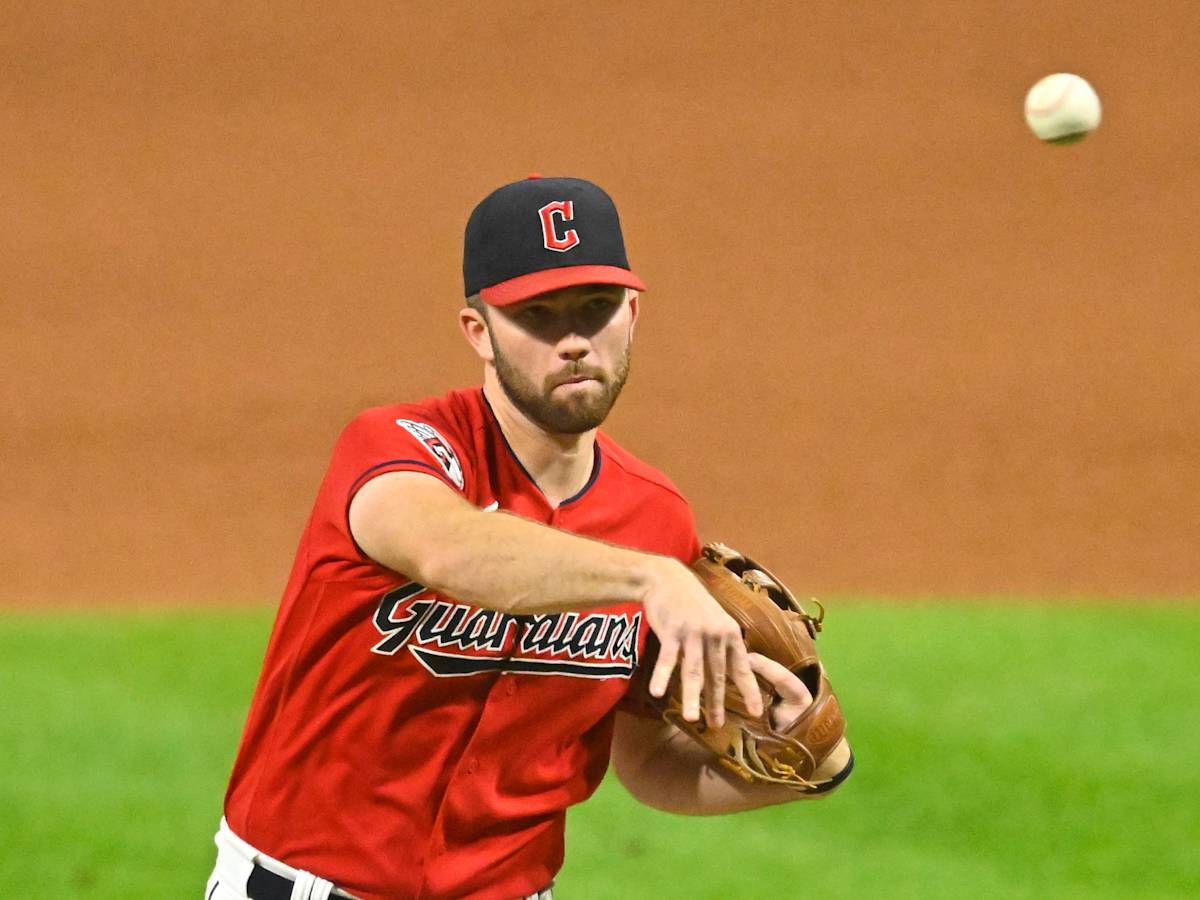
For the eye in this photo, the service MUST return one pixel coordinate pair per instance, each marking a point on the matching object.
(532, 314)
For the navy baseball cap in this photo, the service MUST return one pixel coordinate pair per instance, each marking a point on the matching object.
(542, 234)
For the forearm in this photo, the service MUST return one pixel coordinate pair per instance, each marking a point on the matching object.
(413, 524)
(502, 561)
(684, 778)
(664, 768)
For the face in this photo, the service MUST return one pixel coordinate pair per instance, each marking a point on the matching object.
(563, 357)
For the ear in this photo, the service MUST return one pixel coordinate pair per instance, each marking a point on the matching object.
(633, 310)
(475, 329)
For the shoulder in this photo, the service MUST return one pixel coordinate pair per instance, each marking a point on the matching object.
(438, 432)
(640, 474)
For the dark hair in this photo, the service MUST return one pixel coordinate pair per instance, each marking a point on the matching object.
(476, 303)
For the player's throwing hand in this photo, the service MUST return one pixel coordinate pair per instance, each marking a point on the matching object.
(699, 637)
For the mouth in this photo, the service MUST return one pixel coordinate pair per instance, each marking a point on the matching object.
(577, 379)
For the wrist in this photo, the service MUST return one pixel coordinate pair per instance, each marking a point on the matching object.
(649, 573)
(836, 768)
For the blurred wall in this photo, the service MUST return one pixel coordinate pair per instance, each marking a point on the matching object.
(892, 343)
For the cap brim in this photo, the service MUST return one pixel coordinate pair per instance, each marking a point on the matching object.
(525, 286)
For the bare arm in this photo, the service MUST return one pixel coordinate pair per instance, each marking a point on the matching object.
(413, 523)
(664, 768)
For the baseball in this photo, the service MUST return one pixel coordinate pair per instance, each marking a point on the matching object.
(1062, 108)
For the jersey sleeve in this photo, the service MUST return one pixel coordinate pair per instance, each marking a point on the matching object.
(392, 439)
(423, 437)
(691, 540)
(398, 440)
(402, 438)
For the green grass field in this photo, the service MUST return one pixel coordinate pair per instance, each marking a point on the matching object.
(1028, 750)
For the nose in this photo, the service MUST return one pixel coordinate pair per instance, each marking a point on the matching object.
(573, 347)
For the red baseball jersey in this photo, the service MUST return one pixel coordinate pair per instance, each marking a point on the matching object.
(405, 745)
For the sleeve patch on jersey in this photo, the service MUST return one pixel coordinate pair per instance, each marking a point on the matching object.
(439, 448)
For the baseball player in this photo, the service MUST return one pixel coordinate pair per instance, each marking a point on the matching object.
(452, 660)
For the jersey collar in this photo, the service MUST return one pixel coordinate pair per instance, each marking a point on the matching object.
(597, 457)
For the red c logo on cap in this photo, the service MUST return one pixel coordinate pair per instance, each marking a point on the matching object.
(550, 239)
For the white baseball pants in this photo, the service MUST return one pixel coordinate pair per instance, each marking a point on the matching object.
(236, 859)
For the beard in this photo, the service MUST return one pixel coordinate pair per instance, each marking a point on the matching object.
(573, 414)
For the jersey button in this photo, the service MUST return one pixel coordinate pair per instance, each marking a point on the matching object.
(472, 766)
(510, 689)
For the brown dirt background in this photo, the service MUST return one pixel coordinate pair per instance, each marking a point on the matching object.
(893, 344)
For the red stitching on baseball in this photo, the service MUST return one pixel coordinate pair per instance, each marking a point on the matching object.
(1057, 102)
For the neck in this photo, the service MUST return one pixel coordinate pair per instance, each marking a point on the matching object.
(560, 464)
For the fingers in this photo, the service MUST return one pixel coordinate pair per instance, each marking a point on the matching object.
(791, 690)
(742, 673)
(691, 673)
(700, 638)
(702, 672)
(664, 665)
(716, 650)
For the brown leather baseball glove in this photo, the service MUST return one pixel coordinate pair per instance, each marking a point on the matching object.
(776, 626)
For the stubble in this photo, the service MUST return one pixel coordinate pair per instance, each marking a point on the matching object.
(565, 413)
